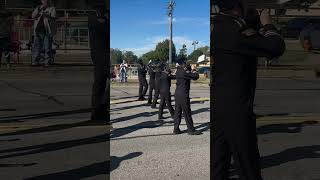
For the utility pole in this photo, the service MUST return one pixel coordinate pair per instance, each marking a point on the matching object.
(194, 43)
(171, 6)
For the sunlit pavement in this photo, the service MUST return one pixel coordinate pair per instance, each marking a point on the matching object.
(288, 110)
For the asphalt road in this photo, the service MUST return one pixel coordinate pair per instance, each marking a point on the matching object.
(44, 134)
(288, 127)
(43, 128)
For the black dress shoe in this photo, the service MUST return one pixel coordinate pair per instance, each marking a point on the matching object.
(177, 131)
(194, 132)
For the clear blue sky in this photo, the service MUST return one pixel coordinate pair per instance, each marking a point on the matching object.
(138, 25)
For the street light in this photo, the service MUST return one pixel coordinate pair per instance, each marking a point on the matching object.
(194, 43)
(171, 6)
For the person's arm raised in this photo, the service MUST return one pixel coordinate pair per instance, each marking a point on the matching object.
(36, 13)
(266, 43)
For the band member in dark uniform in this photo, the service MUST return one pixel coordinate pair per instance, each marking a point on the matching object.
(185, 73)
(165, 95)
(143, 85)
(157, 75)
(152, 75)
(236, 47)
(99, 46)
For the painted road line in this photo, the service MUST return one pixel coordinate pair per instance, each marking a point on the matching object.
(288, 119)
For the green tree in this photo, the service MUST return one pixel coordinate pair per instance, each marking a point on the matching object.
(162, 51)
(193, 57)
(116, 56)
(205, 50)
(130, 57)
(147, 56)
(183, 53)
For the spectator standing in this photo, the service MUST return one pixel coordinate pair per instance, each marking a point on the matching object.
(123, 71)
(44, 29)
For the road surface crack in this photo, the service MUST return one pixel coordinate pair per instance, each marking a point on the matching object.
(48, 97)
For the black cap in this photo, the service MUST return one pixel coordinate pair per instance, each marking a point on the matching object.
(225, 5)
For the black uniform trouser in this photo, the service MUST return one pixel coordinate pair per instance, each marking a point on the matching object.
(234, 134)
(99, 89)
(143, 88)
(151, 88)
(183, 105)
(165, 98)
(156, 96)
(156, 93)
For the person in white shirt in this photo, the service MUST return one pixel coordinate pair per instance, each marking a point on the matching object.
(44, 29)
(123, 71)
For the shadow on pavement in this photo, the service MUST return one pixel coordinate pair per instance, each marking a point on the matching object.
(127, 130)
(49, 128)
(149, 114)
(145, 104)
(16, 165)
(129, 107)
(115, 161)
(289, 155)
(284, 128)
(89, 171)
(20, 118)
(126, 97)
(201, 110)
(139, 115)
(9, 140)
(35, 149)
(148, 124)
(202, 128)
(8, 110)
(75, 174)
(272, 115)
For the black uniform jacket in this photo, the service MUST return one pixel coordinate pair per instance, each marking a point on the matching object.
(165, 83)
(157, 79)
(183, 83)
(99, 47)
(98, 33)
(235, 51)
(142, 73)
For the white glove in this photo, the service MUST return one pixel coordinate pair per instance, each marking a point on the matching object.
(265, 17)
